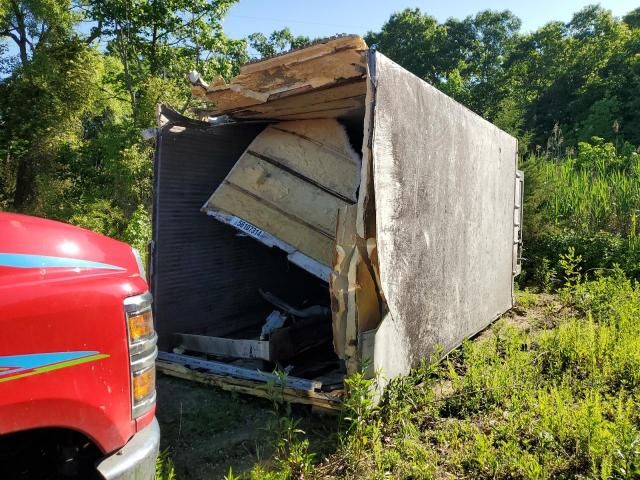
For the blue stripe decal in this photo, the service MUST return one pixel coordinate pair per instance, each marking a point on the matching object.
(21, 366)
(24, 362)
(21, 260)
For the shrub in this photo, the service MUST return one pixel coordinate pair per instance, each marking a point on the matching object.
(138, 230)
(100, 216)
(600, 251)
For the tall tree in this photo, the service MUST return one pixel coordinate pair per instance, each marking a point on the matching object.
(48, 91)
(158, 41)
(464, 58)
(565, 75)
(414, 40)
(277, 42)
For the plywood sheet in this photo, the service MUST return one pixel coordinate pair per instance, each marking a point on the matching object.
(317, 150)
(319, 102)
(333, 62)
(277, 222)
(287, 192)
(337, 64)
(290, 182)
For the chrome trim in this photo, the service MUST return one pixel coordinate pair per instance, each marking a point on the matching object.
(142, 353)
(144, 405)
(138, 303)
(138, 365)
(141, 346)
(137, 459)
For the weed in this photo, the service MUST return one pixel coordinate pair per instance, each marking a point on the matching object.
(164, 467)
(526, 298)
(231, 475)
(589, 201)
(292, 452)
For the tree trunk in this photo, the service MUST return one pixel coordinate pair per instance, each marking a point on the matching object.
(21, 39)
(25, 184)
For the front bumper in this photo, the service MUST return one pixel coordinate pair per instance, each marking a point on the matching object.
(137, 459)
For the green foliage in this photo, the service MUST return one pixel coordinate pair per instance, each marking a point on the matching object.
(570, 264)
(164, 467)
(138, 231)
(71, 115)
(587, 201)
(291, 451)
(411, 38)
(632, 19)
(158, 42)
(464, 58)
(100, 216)
(277, 42)
(360, 419)
(577, 78)
(557, 402)
(526, 298)
(59, 81)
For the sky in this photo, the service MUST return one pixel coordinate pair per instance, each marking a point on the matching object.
(322, 18)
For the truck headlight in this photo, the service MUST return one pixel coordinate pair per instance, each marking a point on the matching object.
(142, 335)
(142, 352)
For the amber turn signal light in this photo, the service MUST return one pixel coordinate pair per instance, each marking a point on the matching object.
(140, 325)
(144, 384)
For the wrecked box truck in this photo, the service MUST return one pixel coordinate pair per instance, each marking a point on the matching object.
(331, 212)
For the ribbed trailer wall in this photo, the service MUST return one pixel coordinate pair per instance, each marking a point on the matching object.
(204, 277)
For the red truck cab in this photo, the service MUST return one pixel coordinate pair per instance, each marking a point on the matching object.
(77, 354)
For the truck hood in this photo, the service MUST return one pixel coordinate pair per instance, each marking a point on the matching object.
(34, 245)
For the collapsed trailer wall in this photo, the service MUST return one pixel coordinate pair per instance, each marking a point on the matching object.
(205, 276)
(444, 181)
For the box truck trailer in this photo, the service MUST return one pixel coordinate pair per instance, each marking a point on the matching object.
(329, 213)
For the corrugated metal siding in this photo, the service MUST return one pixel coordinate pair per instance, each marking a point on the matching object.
(204, 277)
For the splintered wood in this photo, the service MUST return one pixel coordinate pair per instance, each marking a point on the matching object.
(289, 184)
(324, 80)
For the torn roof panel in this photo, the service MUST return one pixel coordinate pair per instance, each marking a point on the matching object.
(275, 88)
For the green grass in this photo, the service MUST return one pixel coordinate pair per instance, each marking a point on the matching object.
(165, 469)
(526, 298)
(557, 398)
(588, 200)
(596, 189)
